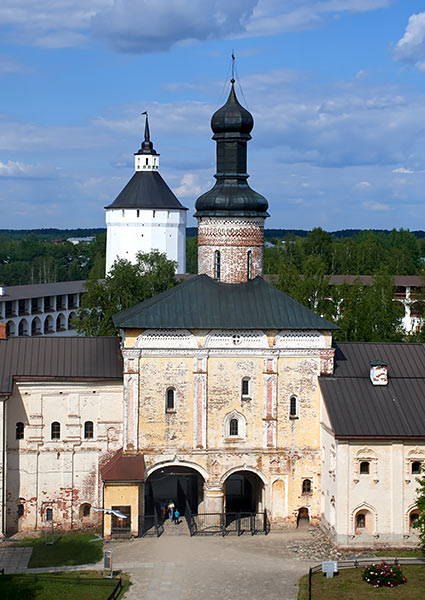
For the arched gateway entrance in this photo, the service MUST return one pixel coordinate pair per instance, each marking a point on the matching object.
(244, 493)
(175, 483)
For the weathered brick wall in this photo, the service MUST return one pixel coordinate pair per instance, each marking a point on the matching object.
(233, 238)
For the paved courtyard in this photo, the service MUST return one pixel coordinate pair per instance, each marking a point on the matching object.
(216, 568)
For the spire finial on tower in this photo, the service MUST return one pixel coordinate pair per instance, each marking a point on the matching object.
(232, 81)
(147, 132)
(147, 146)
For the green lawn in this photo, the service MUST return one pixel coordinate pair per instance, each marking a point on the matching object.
(349, 585)
(409, 553)
(66, 586)
(68, 549)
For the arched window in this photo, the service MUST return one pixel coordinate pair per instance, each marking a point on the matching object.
(217, 265)
(245, 386)
(360, 520)
(306, 489)
(49, 514)
(20, 510)
(56, 430)
(36, 326)
(170, 404)
(88, 430)
(23, 327)
(10, 329)
(60, 322)
(293, 408)
(249, 264)
(364, 467)
(233, 427)
(71, 319)
(416, 467)
(85, 510)
(19, 430)
(413, 518)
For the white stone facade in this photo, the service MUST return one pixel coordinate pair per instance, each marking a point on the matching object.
(45, 479)
(369, 489)
(130, 231)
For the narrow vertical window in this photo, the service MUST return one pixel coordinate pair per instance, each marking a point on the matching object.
(19, 430)
(147, 162)
(55, 431)
(138, 213)
(416, 467)
(306, 489)
(20, 510)
(293, 408)
(249, 265)
(233, 427)
(217, 265)
(49, 514)
(170, 400)
(88, 430)
(245, 386)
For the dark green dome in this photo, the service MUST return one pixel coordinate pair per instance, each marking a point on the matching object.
(232, 117)
(231, 195)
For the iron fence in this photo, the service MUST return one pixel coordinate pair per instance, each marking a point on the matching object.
(227, 523)
(151, 525)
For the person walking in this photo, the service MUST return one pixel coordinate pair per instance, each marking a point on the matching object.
(176, 516)
(170, 508)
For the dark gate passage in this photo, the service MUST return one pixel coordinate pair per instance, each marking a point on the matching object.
(244, 492)
(178, 484)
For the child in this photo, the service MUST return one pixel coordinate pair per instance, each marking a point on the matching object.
(176, 516)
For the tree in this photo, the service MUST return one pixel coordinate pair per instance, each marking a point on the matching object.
(124, 286)
(420, 523)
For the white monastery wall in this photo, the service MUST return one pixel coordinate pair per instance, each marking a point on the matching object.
(58, 474)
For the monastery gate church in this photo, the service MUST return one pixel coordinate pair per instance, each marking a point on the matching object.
(225, 395)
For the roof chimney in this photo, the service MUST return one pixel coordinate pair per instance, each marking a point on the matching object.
(3, 335)
(378, 372)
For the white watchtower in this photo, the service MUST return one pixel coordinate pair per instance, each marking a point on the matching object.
(146, 215)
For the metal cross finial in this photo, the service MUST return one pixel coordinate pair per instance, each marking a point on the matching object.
(233, 67)
(147, 132)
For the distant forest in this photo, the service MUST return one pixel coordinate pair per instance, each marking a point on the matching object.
(299, 261)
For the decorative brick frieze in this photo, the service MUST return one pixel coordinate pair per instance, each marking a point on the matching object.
(239, 243)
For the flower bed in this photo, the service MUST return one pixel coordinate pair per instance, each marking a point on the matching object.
(383, 575)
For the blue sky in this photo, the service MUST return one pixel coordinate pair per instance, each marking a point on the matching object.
(336, 88)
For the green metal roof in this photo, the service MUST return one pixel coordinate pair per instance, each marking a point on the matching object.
(203, 303)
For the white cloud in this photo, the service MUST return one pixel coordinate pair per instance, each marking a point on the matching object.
(403, 170)
(376, 206)
(16, 169)
(363, 185)
(144, 26)
(189, 186)
(411, 47)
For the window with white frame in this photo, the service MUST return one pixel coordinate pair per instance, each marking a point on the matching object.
(170, 400)
(245, 386)
(234, 426)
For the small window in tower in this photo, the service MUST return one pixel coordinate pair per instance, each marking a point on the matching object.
(245, 386)
(55, 431)
(147, 162)
(170, 400)
(249, 265)
(233, 427)
(19, 430)
(306, 488)
(217, 265)
(88, 430)
(138, 213)
(293, 408)
(123, 213)
(153, 214)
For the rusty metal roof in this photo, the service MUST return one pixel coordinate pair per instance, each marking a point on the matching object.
(58, 358)
(124, 467)
(359, 409)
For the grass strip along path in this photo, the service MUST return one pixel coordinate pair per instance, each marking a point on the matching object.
(79, 585)
(349, 585)
(68, 549)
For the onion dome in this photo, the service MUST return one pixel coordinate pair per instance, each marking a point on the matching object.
(232, 117)
(231, 195)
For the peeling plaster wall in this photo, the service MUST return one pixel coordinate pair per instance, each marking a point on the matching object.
(207, 376)
(60, 474)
